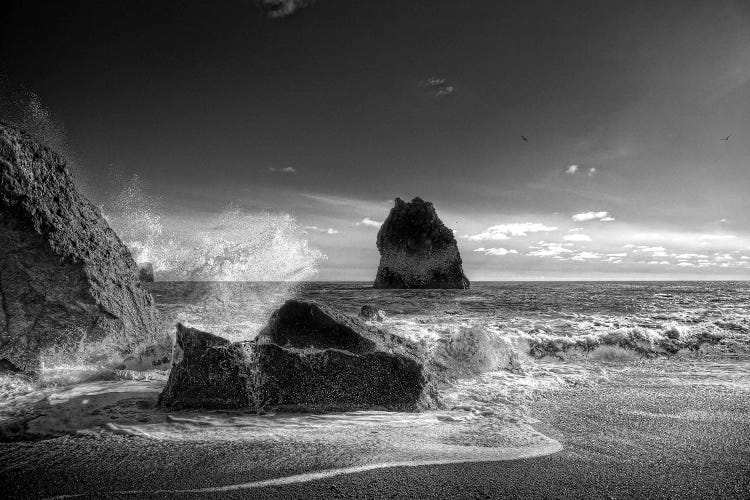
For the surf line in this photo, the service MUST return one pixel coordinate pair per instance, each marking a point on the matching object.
(325, 474)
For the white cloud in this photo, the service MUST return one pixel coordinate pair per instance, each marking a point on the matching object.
(642, 248)
(285, 170)
(685, 256)
(437, 87)
(590, 216)
(577, 237)
(572, 169)
(620, 254)
(592, 171)
(607, 219)
(715, 237)
(543, 249)
(369, 222)
(505, 231)
(330, 230)
(488, 235)
(575, 229)
(582, 256)
(495, 251)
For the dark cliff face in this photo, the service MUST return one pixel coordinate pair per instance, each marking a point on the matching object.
(417, 250)
(65, 276)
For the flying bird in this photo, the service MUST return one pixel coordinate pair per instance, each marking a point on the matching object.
(524, 138)
(726, 138)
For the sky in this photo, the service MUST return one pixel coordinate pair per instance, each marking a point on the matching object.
(328, 110)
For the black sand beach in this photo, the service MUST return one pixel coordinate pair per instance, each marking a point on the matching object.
(649, 433)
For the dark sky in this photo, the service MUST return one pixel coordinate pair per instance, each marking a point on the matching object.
(209, 102)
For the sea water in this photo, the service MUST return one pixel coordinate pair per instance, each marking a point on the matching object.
(505, 345)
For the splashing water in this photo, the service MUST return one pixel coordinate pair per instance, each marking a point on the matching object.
(200, 253)
(133, 214)
(25, 109)
(234, 245)
(238, 246)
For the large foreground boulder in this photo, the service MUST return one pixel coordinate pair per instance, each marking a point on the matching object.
(65, 276)
(308, 358)
(417, 250)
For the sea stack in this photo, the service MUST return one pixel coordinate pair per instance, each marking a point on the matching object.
(65, 276)
(417, 250)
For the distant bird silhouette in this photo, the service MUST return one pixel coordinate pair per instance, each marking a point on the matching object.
(726, 138)
(524, 138)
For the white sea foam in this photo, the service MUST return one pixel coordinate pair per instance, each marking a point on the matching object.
(233, 245)
(209, 250)
(483, 338)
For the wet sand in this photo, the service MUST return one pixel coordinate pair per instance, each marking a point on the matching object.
(649, 433)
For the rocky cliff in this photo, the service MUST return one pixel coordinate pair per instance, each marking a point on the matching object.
(65, 276)
(417, 250)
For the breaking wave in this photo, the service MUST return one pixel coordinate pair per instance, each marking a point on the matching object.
(234, 245)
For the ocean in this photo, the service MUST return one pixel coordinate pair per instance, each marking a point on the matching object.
(506, 345)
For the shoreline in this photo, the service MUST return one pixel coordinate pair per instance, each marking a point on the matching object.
(655, 431)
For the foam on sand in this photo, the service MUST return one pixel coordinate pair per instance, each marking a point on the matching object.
(510, 454)
(325, 445)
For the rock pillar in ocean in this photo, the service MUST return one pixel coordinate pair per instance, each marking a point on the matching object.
(417, 250)
(65, 276)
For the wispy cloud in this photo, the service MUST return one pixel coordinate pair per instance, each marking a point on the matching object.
(276, 9)
(584, 216)
(285, 170)
(583, 256)
(369, 222)
(715, 237)
(329, 230)
(573, 169)
(505, 231)
(543, 249)
(577, 237)
(495, 251)
(437, 87)
(641, 248)
(354, 207)
(688, 256)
